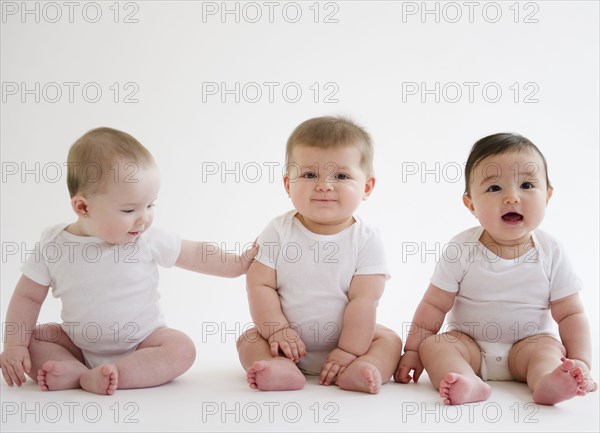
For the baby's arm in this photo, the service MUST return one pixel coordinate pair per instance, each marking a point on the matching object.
(21, 317)
(207, 258)
(428, 319)
(266, 312)
(574, 331)
(358, 327)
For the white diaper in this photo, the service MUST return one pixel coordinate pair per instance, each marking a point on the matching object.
(94, 359)
(311, 362)
(494, 360)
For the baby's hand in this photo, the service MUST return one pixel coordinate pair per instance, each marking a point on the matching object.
(248, 257)
(408, 362)
(15, 362)
(334, 365)
(288, 341)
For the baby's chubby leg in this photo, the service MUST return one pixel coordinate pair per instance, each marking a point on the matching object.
(263, 371)
(539, 360)
(452, 361)
(368, 372)
(56, 362)
(161, 357)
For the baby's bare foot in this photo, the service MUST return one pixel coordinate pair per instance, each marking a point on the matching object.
(275, 375)
(458, 389)
(59, 375)
(564, 382)
(101, 380)
(360, 376)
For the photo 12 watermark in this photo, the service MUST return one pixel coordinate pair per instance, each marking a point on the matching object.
(52, 92)
(452, 92)
(53, 171)
(52, 12)
(270, 12)
(472, 413)
(465, 252)
(71, 412)
(270, 92)
(471, 12)
(90, 332)
(272, 412)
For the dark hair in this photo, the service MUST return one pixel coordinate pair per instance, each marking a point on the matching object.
(498, 144)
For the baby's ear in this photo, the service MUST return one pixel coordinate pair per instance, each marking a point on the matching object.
(369, 185)
(549, 194)
(286, 184)
(469, 204)
(79, 205)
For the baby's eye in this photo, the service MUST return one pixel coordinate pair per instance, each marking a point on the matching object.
(341, 176)
(527, 185)
(309, 175)
(493, 188)
(151, 205)
(127, 210)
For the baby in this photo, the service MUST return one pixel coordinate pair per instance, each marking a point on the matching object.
(314, 288)
(103, 268)
(502, 283)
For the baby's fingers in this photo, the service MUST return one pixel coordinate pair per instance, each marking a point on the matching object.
(284, 346)
(333, 372)
(324, 370)
(417, 373)
(274, 349)
(252, 251)
(27, 365)
(293, 351)
(19, 373)
(329, 373)
(6, 376)
(15, 372)
(402, 374)
(301, 348)
(248, 256)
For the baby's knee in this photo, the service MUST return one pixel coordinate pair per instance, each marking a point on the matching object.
(431, 342)
(185, 350)
(450, 338)
(250, 336)
(538, 346)
(391, 338)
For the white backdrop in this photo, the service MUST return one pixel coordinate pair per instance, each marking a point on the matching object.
(214, 89)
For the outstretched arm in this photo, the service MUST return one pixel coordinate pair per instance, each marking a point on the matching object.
(267, 314)
(428, 319)
(208, 258)
(21, 317)
(358, 326)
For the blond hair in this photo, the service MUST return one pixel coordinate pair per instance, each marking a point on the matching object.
(92, 158)
(331, 132)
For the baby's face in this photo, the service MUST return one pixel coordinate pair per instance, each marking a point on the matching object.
(509, 194)
(123, 209)
(326, 186)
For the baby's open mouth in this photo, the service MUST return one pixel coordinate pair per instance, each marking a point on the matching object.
(512, 217)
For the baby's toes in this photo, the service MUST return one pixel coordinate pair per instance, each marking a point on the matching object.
(577, 373)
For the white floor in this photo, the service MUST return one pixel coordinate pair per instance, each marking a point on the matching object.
(214, 397)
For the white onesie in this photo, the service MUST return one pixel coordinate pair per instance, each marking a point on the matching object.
(313, 277)
(109, 292)
(503, 301)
